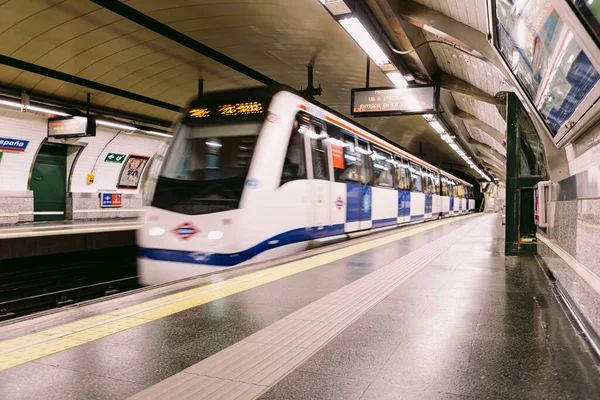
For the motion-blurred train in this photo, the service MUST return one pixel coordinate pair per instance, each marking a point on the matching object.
(261, 173)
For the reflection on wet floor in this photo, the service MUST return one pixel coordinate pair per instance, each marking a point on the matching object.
(472, 324)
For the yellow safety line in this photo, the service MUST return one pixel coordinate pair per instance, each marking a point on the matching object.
(70, 231)
(40, 344)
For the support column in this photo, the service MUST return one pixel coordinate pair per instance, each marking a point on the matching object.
(520, 225)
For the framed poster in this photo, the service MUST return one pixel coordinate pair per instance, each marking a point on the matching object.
(132, 171)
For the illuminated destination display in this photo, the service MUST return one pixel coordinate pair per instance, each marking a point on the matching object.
(227, 110)
(421, 99)
(253, 107)
(71, 127)
(199, 112)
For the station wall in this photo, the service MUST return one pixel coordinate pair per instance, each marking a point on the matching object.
(569, 246)
(84, 156)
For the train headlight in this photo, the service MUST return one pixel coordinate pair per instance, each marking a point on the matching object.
(156, 231)
(215, 235)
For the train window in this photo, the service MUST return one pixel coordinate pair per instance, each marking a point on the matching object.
(383, 165)
(404, 174)
(416, 179)
(294, 165)
(436, 183)
(366, 162)
(345, 163)
(428, 182)
(318, 145)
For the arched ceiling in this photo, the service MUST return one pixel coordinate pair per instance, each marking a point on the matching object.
(278, 38)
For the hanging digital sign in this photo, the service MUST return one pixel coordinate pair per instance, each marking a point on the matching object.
(411, 100)
(66, 127)
(227, 110)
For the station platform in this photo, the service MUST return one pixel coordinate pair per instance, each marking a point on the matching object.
(59, 228)
(433, 311)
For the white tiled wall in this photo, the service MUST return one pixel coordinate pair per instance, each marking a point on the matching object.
(15, 166)
(107, 173)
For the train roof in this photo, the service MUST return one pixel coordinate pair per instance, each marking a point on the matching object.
(270, 91)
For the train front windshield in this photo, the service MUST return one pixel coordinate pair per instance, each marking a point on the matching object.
(207, 165)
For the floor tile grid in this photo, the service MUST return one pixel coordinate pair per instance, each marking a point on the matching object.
(247, 361)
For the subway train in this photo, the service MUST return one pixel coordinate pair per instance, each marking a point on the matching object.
(262, 173)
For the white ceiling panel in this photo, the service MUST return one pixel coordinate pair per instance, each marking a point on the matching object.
(469, 12)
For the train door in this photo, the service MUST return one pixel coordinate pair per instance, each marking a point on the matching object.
(417, 197)
(403, 184)
(452, 196)
(428, 190)
(316, 141)
(49, 183)
(366, 193)
(436, 200)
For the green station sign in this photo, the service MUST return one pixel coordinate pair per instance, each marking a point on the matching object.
(114, 157)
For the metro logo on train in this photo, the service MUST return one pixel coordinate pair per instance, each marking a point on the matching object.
(186, 230)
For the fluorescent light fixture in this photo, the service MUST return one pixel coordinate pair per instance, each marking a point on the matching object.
(428, 117)
(447, 138)
(214, 144)
(460, 152)
(116, 125)
(161, 134)
(455, 147)
(46, 111)
(398, 80)
(437, 126)
(10, 103)
(364, 40)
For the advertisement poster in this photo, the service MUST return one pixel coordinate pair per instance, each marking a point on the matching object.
(132, 171)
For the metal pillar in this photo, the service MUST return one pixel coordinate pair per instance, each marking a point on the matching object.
(61, 76)
(520, 225)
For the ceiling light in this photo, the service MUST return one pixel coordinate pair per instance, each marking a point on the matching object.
(460, 152)
(46, 111)
(11, 103)
(214, 144)
(116, 125)
(161, 134)
(437, 126)
(364, 40)
(397, 79)
(447, 138)
(455, 147)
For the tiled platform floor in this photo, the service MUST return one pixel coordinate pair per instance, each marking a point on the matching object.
(472, 324)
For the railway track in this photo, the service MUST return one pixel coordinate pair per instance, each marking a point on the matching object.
(40, 283)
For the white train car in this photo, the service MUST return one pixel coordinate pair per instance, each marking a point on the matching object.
(261, 173)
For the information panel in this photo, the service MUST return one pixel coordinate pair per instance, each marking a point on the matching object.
(71, 127)
(418, 99)
(541, 51)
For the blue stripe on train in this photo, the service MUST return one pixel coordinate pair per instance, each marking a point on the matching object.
(403, 203)
(229, 260)
(417, 217)
(380, 223)
(428, 203)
